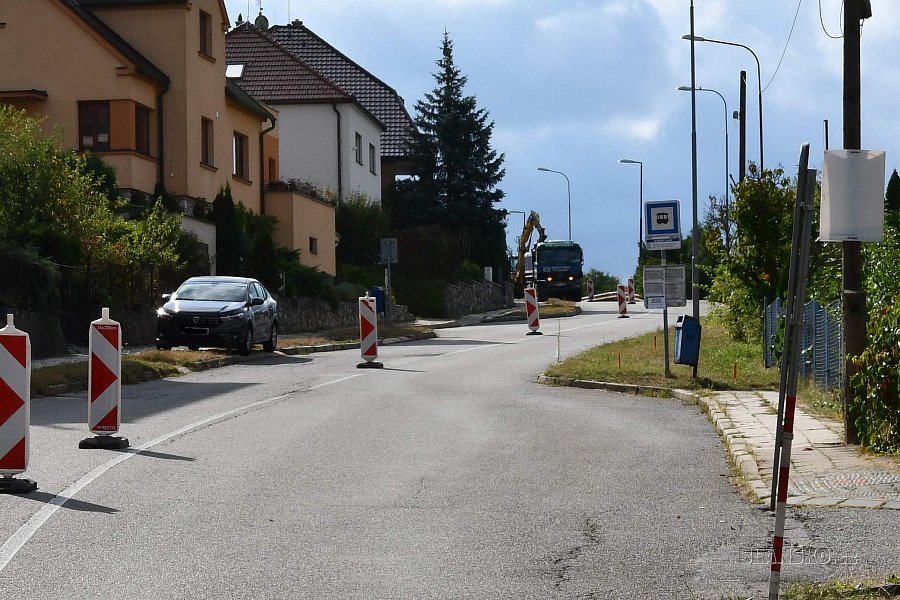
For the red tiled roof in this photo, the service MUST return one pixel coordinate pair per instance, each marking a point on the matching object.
(274, 75)
(372, 93)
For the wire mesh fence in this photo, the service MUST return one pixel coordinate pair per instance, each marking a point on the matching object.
(821, 341)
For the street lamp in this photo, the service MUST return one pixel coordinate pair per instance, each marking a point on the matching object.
(520, 212)
(697, 38)
(687, 88)
(628, 161)
(568, 191)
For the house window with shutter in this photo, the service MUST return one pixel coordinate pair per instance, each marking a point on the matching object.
(241, 160)
(372, 159)
(205, 33)
(142, 129)
(206, 142)
(93, 126)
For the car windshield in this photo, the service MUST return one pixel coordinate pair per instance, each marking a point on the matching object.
(215, 291)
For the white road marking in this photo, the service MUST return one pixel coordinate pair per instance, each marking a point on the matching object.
(21, 537)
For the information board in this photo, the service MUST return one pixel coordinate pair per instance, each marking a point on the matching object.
(664, 286)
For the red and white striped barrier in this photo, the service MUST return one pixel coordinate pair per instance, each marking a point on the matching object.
(631, 290)
(15, 408)
(368, 333)
(532, 311)
(104, 383)
(590, 290)
(621, 294)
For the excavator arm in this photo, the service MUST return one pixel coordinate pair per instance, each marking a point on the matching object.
(531, 223)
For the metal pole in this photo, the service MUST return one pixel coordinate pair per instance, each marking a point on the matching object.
(662, 259)
(742, 134)
(791, 360)
(695, 273)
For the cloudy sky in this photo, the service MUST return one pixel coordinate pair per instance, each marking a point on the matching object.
(575, 85)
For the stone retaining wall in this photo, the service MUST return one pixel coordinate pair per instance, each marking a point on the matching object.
(469, 297)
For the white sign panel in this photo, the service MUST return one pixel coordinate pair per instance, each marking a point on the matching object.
(664, 286)
(852, 196)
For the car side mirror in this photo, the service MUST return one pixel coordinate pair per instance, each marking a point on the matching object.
(256, 301)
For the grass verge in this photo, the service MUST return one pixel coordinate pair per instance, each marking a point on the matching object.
(724, 363)
(836, 590)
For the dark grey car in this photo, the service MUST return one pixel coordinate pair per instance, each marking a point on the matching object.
(220, 312)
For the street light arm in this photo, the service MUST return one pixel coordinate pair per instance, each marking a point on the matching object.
(697, 38)
(568, 192)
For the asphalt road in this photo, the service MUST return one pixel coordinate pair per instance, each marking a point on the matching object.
(447, 474)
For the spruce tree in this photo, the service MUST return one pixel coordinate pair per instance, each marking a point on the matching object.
(892, 201)
(456, 171)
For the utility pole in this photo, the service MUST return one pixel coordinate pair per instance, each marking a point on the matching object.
(742, 147)
(853, 296)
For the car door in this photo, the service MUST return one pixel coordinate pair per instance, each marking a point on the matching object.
(262, 314)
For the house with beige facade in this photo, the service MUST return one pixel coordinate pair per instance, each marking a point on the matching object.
(142, 83)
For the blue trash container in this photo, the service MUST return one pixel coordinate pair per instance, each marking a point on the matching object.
(687, 341)
(377, 292)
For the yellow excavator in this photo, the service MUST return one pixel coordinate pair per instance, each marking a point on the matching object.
(531, 223)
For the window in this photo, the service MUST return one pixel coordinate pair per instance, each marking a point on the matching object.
(93, 126)
(241, 162)
(142, 129)
(313, 245)
(372, 158)
(205, 33)
(358, 149)
(206, 140)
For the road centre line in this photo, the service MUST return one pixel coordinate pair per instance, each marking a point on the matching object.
(21, 537)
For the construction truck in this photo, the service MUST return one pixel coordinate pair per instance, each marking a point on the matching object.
(553, 267)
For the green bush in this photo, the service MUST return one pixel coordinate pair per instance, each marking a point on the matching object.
(469, 271)
(423, 297)
(876, 383)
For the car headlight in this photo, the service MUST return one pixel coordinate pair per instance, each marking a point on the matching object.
(163, 313)
(231, 317)
(549, 278)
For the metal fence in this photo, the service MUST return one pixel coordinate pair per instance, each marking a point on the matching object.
(821, 342)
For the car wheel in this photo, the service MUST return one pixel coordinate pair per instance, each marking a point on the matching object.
(194, 348)
(272, 343)
(163, 347)
(244, 347)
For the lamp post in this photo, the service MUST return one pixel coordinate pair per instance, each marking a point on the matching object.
(686, 88)
(520, 212)
(697, 38)
(628, 161)
(568, 191)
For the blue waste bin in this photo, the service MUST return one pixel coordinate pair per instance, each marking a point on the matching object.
(377, 292)
(687, 340)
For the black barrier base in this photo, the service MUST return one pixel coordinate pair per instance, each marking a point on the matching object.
(103, 442)
(624, 317)
(11, 485)
(369, 365)
(534, 333)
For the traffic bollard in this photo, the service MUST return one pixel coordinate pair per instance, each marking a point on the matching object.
(15, 408)
(104, 384)
(532, 311)
(368, 333)
(620, 296)
(631, 290)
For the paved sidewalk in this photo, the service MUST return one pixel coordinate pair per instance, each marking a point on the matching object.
(824, 472)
